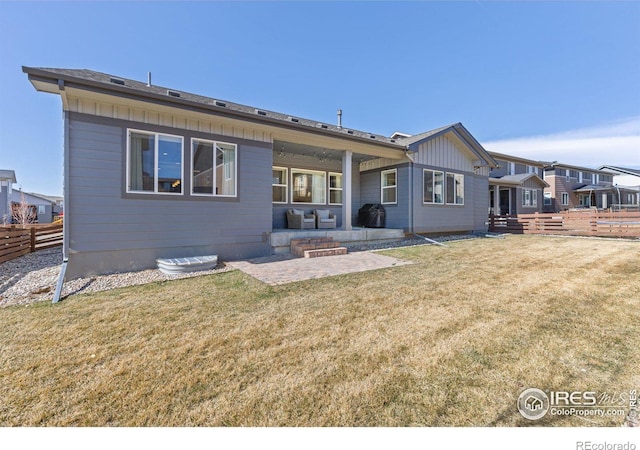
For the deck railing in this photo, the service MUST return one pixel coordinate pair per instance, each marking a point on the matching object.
(18, 240)
(572, 223)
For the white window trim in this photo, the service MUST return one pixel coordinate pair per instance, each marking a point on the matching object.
(562, 197)
(329, 188)
(312, 172)
(454, 184)
(286, 185)
(235, 169)
(547, 199)
(444, 182)
(382, 187)
(533, 198)
(155, 169)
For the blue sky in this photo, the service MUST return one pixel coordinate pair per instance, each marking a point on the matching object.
(545, 80)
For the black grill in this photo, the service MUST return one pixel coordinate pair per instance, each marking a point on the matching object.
(371, 216)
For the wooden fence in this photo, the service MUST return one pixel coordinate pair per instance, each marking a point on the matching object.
(18, 240)
(573, 223)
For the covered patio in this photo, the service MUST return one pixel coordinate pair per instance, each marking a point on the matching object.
(313, 172)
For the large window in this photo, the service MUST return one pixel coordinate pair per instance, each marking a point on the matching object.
(565, 198)
(308, 186)
(279, 183)
(388, 182)
(154, 163)
(433, 181)
(214, 170)
(455, 189)
(335, 188)
(529, 197)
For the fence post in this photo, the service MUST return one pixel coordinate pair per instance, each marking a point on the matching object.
(33, 239)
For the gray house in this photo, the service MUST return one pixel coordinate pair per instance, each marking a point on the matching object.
(516, 185)
(154, 172)
(7, 180)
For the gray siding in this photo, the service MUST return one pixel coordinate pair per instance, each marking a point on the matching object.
(472, 216)
(5, 208)
(501, 171)
(396, 216)
(110, 230)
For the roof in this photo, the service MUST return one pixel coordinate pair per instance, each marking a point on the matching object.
(6, 174)
(530, 162)
(593, 187)
(518, 179)
(553, 165)
(461, 132)
(119, 86)
(622, 170)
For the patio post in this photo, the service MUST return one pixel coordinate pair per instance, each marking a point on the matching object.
(347, 157)
(496, 201)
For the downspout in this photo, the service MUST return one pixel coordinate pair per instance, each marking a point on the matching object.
(411, 206)
(65, 221)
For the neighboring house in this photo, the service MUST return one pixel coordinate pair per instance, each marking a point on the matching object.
(516, 185)
(573, 187)
(153, 172)
(626, 178)
(7, 180)
(43, 206)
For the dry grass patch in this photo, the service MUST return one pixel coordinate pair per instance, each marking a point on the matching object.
(449, 341)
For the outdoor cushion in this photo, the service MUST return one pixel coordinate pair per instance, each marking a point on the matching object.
(322, 213)
(299, 212)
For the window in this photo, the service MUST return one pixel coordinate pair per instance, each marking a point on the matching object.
(547, 198)
(606, 178)
(529, 197)
(213, 168)
(388, 180)
(586, 176)
(42, 209)
(433, 181)
(279, 182)
(455, 189)
(154, 163)
(565, 198)
(335, 188)
(308, 186)
(573, 174)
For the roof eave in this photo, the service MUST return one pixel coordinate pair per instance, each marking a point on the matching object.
(54, 79)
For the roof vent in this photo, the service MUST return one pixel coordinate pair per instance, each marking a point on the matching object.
(323, 126)
(392, 140)
(173, 93)
(220, 104)
(372, 136)
(119, 81)
(293, 119)
(261, 112)
(350, 131)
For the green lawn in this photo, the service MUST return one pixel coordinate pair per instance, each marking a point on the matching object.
(451, 340)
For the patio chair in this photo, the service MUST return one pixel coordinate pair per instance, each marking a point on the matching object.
(324, 218)
(297, 219)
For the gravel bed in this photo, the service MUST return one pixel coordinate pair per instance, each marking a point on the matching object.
(407, 242)
(33, 277)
